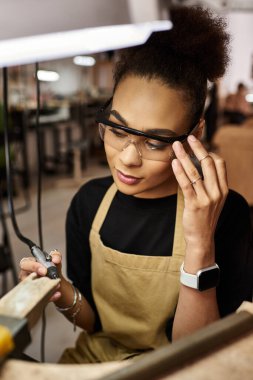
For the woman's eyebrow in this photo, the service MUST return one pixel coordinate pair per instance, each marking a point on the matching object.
(160, 131)
(119, 117)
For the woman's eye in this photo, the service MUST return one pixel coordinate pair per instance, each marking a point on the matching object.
(118, 133)
(156, 145)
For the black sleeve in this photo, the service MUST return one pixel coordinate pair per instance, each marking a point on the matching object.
(234, 254)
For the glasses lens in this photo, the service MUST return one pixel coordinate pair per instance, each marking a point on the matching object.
(114, 137)
(149, 148)
(155, 150)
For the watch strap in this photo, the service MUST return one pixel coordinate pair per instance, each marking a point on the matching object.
(188, 279)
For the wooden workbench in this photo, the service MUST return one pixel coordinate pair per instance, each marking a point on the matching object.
(222, 350)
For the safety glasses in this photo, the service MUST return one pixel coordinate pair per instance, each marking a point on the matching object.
(149, 146)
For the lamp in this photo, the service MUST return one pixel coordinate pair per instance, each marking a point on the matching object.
(52, 29)
(47, 76)
(84, 60)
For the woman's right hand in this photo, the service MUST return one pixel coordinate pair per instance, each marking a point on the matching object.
(29, 265)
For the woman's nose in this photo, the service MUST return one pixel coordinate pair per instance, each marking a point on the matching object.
(130, 154)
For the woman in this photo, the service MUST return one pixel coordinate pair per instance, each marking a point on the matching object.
(146, 247)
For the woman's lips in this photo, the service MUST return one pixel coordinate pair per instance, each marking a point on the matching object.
(127, 179)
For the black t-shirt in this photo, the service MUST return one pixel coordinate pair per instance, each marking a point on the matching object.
(146, 227)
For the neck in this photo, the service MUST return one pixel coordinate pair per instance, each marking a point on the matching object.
(165, 190)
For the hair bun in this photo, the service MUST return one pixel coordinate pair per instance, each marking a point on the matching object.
(197, 35)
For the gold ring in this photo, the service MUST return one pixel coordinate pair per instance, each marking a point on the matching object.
(201, 159)
(196, 180)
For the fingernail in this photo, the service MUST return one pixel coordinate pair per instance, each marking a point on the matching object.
(175, 163)
(192, 138)
(176, 144)
(53, 251)
(42, 271)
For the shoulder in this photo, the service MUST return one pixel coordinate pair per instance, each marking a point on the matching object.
(96, 185)
(236, 212)
(88, 197)
(234, 254)
(235, 202)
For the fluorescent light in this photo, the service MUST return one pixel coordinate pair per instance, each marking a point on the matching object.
(44, 47)
(84, 60)
(47, 76)
(249, 98)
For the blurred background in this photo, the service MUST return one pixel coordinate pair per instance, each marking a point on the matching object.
(72, 88)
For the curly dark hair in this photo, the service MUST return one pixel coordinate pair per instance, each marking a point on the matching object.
(195, 50)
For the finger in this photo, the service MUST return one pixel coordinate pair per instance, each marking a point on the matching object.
(55, 296)
(26, 259)
(23, 274)
(22, 263)
(220, 165)
(56, 256)
(208, 167)
(189, 169)
(29, 264)
(183, 180)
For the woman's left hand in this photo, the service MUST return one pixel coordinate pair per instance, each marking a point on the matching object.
(204, 197)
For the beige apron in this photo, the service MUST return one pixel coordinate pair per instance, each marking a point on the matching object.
(135, 295)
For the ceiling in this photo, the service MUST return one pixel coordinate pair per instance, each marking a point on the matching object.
(60, 21)
(221, 5)
(31, 17)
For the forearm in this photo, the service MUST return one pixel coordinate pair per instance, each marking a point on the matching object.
(85, 316)
(195, 309)
(204, 198)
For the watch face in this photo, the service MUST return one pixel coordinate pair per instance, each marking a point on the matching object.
(209, 278)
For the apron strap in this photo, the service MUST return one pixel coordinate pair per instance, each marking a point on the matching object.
(179, 242)
(103, 208)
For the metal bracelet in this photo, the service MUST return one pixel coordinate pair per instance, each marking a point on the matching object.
(76, 312)
(62, 309)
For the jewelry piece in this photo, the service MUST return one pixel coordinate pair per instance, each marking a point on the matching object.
(201, 159)
(62, 309)
(74, 315)
(193, 182)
